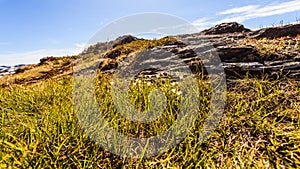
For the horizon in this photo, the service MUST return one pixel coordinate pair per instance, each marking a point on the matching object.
(34, 30)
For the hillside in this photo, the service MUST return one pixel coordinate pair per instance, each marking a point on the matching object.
(259, 128)
(270, 51)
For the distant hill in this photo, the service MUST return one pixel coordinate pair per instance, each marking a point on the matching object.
(8, 70)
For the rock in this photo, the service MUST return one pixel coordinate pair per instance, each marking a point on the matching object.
(238, 60)
(238, 54)
(286, 68)
(276, 32)
(46, 60)
(124, 40)
(97, 48)
(106, 46)
(113, 54)
(223, 28)
(108, 65)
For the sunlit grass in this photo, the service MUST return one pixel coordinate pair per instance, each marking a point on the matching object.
(285, 46)
(259, 129)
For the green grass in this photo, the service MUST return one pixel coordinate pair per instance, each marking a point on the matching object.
(259, 128)
(40, 129)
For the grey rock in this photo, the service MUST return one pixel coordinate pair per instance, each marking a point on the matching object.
(124, 40)
(275, 32)
(223, 28)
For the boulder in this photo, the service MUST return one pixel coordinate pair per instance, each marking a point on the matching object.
(124, 40)
(224, 28)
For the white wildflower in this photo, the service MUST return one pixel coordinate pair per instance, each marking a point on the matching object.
(179, 93)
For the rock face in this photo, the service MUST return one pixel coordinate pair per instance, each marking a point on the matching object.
(224, 40)
(238, 60)
(275, 32)
(223, 28)
(123, 40)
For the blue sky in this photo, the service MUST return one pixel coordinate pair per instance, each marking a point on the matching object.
(32, 29)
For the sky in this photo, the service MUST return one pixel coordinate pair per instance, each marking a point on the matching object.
(33, 29)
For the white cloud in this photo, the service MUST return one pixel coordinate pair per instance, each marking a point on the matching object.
(248, 12)
(282, 8)
(239, 10)
(31, 57)
(270, 10)
(239, 19)
(202, 23)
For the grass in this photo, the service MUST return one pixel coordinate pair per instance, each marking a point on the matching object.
(40, 129)
(259, 129)
(284, 46)
(51, 68)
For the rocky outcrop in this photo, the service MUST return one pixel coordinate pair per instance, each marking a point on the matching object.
(105, 46)
(224, 28)
(238, 59)
(224, 40)
(275, 32)
(123, 40)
